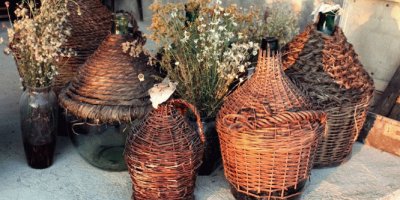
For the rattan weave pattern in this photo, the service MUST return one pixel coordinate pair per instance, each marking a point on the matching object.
(107, 88)
(327, 69)
(88, 31)
(268, 139)
(164, 152)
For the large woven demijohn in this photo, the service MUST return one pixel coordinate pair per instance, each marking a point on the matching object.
(327, 69)
(268, 137)
(90, 22)
(164, 152)
(109, 92)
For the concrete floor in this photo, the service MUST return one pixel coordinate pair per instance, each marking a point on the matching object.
(369, 175)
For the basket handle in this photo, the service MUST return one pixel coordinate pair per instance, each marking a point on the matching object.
(282, 118)
(297, 116)
(196, 114)
(240, 118)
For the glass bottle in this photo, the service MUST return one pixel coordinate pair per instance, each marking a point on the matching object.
(39, 112)
(102, 145)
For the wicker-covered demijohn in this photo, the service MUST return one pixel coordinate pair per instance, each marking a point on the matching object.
(327, 69)
(164, 152)
(90, 22)
(111, 86)
(268, 137)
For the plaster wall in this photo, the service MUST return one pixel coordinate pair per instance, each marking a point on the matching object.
(373, 27)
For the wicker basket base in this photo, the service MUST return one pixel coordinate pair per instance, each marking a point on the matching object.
(290, 194)
(333, 164)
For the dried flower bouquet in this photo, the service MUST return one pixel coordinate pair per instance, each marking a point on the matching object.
(205, 47)
(36, 38)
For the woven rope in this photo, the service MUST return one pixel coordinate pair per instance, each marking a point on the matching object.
(164, 152)
(268, 141)
(327, 69)
(107, 88)
(88, 31)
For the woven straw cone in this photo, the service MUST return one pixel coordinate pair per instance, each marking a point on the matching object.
(268, 141)
(164, 152)
(327, 69)
(88, 31)
(107, 88)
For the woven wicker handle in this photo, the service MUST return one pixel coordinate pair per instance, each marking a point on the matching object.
(288, 117)
(283, 118)
(195, 112)
(239, 119)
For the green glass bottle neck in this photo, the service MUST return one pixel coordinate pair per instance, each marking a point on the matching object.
(326, 23)
(121, 25)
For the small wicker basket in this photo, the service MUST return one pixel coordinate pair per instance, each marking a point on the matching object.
(327, 69)
(88, 31)
(268, 139)
(164, 152)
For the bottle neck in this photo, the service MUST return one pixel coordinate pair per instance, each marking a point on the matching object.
(270, 44)
(326, 23)
(121, 24)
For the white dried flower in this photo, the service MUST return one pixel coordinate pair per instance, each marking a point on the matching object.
(1, 40)
(141, 77)
(177, 63)
(7, 51)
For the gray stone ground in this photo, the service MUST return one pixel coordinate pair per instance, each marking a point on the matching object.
(369, 175)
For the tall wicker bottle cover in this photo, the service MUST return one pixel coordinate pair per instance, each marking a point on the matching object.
(164, 152)
(267, 137)
(109, 92)
(327, 69)
(91, 22)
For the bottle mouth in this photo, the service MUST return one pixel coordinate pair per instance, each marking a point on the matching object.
(271, 44)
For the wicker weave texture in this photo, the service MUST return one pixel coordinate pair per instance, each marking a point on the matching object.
(88, 31)
(268, 141)
(107, 88)
(164, 152)
(327, 69)
(270, 162)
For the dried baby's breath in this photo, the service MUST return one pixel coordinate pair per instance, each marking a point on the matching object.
(36, 40)
(205, 47)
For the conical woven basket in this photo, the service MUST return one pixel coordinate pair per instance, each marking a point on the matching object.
(327, 69)
(164, 152)
(107, 89)
(88, 31)
(268, 138)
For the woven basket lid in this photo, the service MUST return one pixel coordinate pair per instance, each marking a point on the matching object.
(88, 31)
(327, 68)
(107, 87)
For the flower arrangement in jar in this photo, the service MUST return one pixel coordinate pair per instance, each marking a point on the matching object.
(35, 41)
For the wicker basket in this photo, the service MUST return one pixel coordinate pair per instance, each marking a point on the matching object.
(88, 31)
(327, 69)
(164, 152)
(268, 141)
(107, 88)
